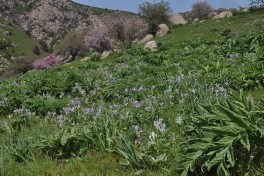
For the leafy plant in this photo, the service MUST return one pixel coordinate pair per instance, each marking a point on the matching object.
(137, 159)
(155, 13)
(224, 138)
(68, 142)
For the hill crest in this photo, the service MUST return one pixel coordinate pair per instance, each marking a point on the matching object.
(50, 20)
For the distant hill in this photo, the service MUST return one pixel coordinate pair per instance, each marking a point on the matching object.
(49, 20)
(27, 24)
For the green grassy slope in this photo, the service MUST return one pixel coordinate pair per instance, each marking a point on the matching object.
(128, 114)
(23, 43)
(211, 29)
(18, 44)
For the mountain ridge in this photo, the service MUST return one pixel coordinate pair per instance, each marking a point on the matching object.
(50, 20)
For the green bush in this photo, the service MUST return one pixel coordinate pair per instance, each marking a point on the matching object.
(21, 65)
(95, 56)
(155, 13)
(36, 50)
(224, 138)
(72, 44)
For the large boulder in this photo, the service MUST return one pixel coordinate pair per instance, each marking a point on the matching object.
(195, 20)
(223, 15)
(245, 10)
(147, 38)
(105, 54)
(212, 14)
(163, 29)
(151, 45)
(177, 19)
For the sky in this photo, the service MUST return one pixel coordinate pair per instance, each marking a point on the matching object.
(177, 5)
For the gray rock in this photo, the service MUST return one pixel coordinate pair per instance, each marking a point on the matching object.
(105, 54)
(147, 38)
(162, 30)
(212, 14)
(196, 20)
(151, 45)
(223, 15)
(245, 10)
(177, 19)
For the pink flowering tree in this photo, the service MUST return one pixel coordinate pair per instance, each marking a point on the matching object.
(47, 62)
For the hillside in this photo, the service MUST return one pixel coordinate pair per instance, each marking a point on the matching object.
(14, 42)
(193, 107)
(27, 24)
(50, 20)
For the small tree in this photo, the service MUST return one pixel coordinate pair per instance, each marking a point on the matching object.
(44, 46)
(257, 2)
(21, 65)
(47, 62)
(155, 13)
(256, 5)
(36, 50)
(72, 44)
(201, 9)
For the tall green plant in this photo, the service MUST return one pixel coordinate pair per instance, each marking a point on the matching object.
(155, 13)
(224, 139)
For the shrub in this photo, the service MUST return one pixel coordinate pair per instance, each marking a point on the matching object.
(72, 44)
(21, 65)
(44, 46)
(45, 63)
(98, 39)
(201, 9)
(5, 44)
(257, 2)
(256, 5)
(95, 56)
(7, 55)
(155, 13)
(225, 138)
(36, 50)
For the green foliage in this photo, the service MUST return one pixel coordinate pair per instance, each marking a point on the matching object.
(72, 44)
(36, 50)
(137, 107)
(44, 46)
(258, 2)
(95, 56)
(224, 138)
(68, 142)
(20, 66)
(155, 13)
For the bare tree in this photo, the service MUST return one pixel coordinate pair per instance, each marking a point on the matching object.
(98, 38)
(125, 29)
(201, 9)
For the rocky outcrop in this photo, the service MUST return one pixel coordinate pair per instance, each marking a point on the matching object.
(151, 45)
(212, 14)
(147, 38)
(245, 10)
(163, 29)
(223, 15)
(105, 54)
(50, 20)
(177, 19)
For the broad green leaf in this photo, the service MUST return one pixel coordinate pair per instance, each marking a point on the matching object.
(244, 140)
(224, 130)
(234, 117)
